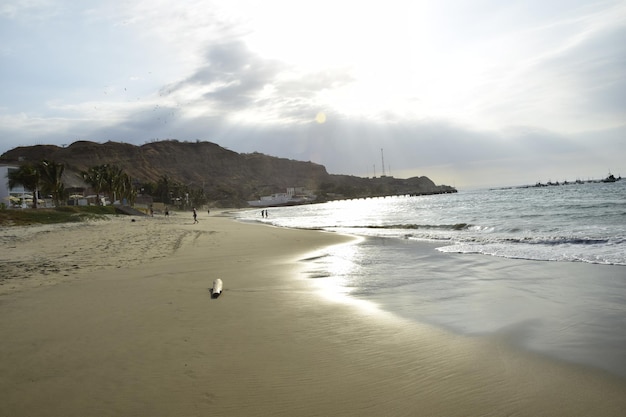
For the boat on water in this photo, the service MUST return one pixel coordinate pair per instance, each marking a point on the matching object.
(611, 178)
(293, 196)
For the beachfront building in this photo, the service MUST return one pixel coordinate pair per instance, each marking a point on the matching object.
(12, 197)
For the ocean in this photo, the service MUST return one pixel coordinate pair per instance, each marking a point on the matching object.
(543, 268)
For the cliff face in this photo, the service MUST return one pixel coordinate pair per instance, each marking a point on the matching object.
(226, 176)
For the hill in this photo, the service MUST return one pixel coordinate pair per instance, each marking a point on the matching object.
(227, 178)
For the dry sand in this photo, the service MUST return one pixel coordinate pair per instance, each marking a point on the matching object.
(115, 318)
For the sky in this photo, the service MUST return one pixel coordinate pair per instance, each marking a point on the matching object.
(471, 93)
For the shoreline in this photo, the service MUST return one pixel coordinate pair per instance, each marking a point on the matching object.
(489, 297)
(136, 332)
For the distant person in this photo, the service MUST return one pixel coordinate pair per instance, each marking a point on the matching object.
(208, 212)
(167, 212)
(195, 216)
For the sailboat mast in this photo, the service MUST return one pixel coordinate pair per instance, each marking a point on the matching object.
(382, 157)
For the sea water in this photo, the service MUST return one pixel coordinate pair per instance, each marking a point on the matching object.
(470, 280)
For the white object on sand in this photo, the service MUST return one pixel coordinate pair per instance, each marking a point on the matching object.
(217, 287)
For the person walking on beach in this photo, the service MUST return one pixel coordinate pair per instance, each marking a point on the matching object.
(195, 216)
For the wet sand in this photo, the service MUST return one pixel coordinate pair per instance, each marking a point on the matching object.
(115, 318)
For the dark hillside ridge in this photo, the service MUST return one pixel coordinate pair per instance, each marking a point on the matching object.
(228, 178)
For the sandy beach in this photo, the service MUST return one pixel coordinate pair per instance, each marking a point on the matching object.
(115, 318)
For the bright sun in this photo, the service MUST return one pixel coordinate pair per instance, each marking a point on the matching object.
(320, 117)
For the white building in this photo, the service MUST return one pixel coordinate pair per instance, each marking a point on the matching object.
(17, 192)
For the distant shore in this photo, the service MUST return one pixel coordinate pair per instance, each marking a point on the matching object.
(609, 179)
(115, 318)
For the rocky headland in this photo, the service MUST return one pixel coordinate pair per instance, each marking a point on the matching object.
(225, 177)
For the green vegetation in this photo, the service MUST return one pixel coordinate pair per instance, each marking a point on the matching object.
(110, 180)
(44, 175)
(176, 194)
(65, 214)
(47, 177)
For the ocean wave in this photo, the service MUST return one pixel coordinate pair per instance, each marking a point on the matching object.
(558, 241)
(456, 226)
(539, 252)
(562, 224)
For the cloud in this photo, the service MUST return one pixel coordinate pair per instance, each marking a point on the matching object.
(453, 87)
(234, 76)
(234, 80)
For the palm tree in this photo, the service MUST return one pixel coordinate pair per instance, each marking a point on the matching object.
(28, 176)
(110, 180)
(51, 174)
(94, 176)
(123, 186)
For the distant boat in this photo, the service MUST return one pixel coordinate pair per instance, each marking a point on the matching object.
(292, 197)
(611, 178)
